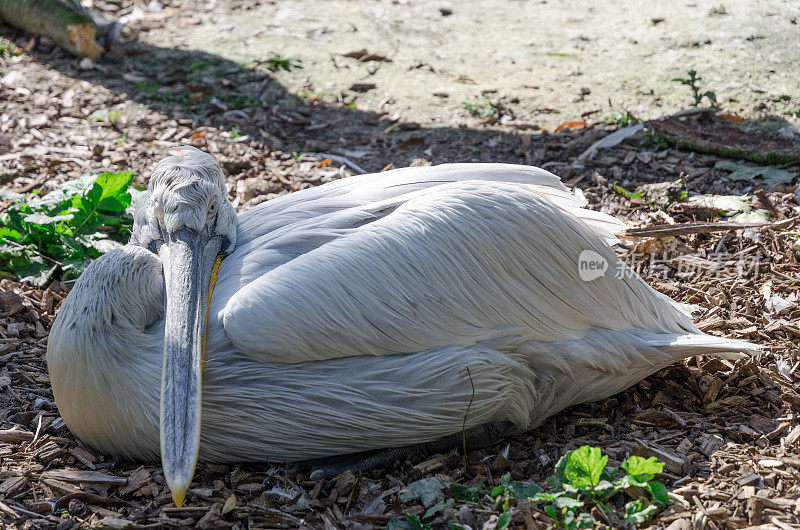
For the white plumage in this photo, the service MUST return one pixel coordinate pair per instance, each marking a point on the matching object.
(346, 316)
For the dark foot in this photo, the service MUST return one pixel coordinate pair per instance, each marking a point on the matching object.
(476, 437)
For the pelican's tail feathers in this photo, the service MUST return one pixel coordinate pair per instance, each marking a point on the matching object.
(682, 346)
(603, 362)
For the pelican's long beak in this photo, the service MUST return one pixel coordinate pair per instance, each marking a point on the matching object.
(187, 274)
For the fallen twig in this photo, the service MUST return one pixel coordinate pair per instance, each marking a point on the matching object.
(700, 228)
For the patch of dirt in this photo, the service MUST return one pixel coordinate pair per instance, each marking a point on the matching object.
(728, 432)
(546, 62)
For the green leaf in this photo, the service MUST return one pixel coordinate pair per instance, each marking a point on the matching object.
(585, 520)
(42, 219)
(545, 497)
(64, 192)
(9, 234)
(80, 204)
(558, 477)
(605, 487)
(109, 191)
(567, 502)
(581, 520)
(38, 274)
(659, 492)
(7, 251)
(503, 520)
(110, 220)
(636, 513)
(74, 268)
(524, 490)
(428, 491)
(444, 507)
(78, 221)
(98, 241)
(584, 466)
(551, 511)
(465, 493)
(642, 468)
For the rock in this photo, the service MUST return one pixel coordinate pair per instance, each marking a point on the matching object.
(661, 194)
(85, 64)
(12, 79)
(38, 120)
(362, 87)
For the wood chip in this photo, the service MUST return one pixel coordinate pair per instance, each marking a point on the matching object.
(15, 436)
(83, 476)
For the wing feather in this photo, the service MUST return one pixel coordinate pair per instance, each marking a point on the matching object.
(453, 263)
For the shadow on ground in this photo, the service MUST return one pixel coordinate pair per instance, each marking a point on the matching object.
(211, 90)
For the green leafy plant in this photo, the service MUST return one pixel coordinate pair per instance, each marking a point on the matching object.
(106, 116)
(502, 499)
(583, 481)
(472, 108)
(64, 230)
(655, 139)
(619, 190)
(485, 110)
(718, 11)
(693, 83)
(278, 62)
(8, 48)
(235, 132)
(623, 119)
(298, 156)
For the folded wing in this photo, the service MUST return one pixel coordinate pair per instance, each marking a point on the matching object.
(413, 260)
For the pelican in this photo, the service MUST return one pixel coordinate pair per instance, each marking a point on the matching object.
(376, 312)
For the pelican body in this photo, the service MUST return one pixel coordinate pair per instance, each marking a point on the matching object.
(344, 317)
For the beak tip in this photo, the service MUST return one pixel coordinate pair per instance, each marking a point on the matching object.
(178, 494)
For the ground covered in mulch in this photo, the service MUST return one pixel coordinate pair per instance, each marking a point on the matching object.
(727, 432)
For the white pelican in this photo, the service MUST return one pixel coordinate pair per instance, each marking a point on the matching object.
(344, 317)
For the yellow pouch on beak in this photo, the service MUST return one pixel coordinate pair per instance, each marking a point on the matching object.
(211, 283)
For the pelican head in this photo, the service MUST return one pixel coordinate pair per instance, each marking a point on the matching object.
(189, 223)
